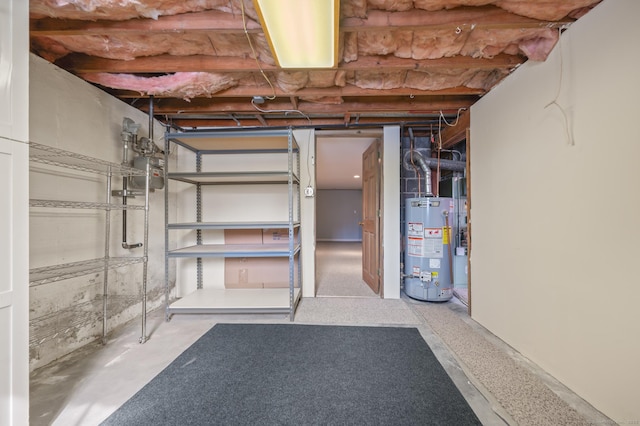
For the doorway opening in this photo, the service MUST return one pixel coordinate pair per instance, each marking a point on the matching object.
(339, 212)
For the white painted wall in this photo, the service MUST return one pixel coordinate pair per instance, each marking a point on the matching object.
(68, 113)
(307, 141)
(555, 210)
(14, 226)
(391, 211)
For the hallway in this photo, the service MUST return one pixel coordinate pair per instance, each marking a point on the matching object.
(339, 270)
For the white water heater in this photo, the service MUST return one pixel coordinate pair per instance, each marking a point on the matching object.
(428, 249)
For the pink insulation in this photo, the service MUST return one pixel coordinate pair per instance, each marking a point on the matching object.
(537, 9)
(185, 85)
(120, 10)
(131, 46)
(403, 39)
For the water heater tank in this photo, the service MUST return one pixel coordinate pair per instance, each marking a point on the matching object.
(428, 255)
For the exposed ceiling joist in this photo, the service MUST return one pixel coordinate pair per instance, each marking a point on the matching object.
(80, 64)
(398, 61)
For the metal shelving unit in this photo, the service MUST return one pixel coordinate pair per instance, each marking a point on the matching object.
(232, 300)
(69, 160)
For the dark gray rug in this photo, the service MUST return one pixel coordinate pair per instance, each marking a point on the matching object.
(286, 374)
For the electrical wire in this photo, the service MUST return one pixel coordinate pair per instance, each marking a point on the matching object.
(441, 119)
(285, 111)
(457, 117)
(554, 102)
(255, 55)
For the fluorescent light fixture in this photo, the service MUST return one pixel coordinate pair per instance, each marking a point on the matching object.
(301, 33)
(356, 176)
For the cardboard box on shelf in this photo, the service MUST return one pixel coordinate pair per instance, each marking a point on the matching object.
(243, 236)
(241, 272)
(275, 273)
(277, 235)
(257, 272)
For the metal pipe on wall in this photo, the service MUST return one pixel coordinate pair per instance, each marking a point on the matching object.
(129, 135)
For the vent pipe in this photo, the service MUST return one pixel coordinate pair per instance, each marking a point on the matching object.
(424, 160)
(416, 158)
(452, 165)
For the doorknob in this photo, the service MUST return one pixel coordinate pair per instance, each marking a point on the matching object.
(361, 223)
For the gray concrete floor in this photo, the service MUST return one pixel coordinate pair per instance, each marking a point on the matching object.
(86, 386)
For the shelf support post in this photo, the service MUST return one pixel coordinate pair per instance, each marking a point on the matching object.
(199, 220)
(107, 232)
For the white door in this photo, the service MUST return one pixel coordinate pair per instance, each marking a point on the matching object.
(14, 213)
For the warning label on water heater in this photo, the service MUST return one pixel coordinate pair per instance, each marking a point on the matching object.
(425, 244)
(414, 229)
(433, 232)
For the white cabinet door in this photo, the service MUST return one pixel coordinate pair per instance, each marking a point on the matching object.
(14, 283)
(14, 213)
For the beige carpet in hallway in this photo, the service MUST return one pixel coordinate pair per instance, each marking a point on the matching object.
(339, 270)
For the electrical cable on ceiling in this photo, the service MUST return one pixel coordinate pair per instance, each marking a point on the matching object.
(255, 55)
(441, 119)
(554, 102)
(285, 111)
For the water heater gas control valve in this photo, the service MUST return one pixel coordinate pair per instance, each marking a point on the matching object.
(425, 277)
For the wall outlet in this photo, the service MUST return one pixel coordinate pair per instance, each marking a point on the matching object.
(308, 191)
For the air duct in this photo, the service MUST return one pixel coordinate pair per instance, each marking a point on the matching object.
(416, 158)
(454, 166)
(423, 160)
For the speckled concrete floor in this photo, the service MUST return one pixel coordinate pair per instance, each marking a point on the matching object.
(523, 391)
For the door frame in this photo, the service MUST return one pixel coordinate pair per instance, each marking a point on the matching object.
(390, 239)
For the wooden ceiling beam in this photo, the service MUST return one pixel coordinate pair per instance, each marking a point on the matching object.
(292, 121)
(81, 64)
(344, 92)
(411, 107)
(460, 19)
(211, 21)
(451, 135)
